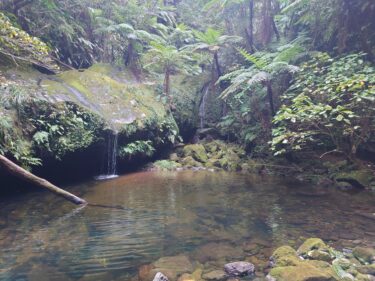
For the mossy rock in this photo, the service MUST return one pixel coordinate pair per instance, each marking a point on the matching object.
(311, 244)
(304, 271)
(197, 151)
(319, 255)
(285, 256)
(119, 101)
(367, 269)
(360, 178)
(190, 162)
(166, 165)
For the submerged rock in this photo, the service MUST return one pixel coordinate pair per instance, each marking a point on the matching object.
(239, 269)
(216, 275)
(364, 255)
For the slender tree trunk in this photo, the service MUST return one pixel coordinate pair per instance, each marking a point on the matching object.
(270, 97)
(22, 174)
(217, 65)
(251, 25)
(274, 26)
(167, 86)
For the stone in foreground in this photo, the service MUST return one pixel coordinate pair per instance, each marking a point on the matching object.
(160, 277)
(239, 269)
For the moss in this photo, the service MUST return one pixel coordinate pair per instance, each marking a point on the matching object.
(311, 244)
(304, 271)
(166, 165)
(197, 151)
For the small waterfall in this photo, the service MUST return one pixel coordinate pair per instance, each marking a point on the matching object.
(109, 169)
(202, 106)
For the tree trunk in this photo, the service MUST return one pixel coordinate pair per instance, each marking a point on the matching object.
(217, 65)
(251, 25)
(22, 174)
(270, 98)
(167, 86)
(277, 33)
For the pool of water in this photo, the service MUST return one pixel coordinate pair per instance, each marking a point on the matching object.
(208, 217)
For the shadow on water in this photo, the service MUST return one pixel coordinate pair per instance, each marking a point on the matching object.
(205, 216)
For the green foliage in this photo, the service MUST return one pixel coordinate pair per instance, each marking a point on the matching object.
(330, 105)
(18, 45)
(61, 130)
(142, 148)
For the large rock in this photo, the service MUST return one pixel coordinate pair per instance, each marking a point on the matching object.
(305, 271)
(197, 151)
(311, 244)
(173, 266)
(364, 255)
(239, 269)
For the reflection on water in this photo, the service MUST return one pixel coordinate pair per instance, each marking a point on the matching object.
(197, 214)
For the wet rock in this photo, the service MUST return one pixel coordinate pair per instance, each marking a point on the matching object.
(305, 271)
(173, 266)
(364, 255)
(367, 269)
(186, 277)
(319, 255)
(160, 277)
(284, 256)
(311, 244)
(239, 269)
(216, 275)
(217, 251)
(197, 151)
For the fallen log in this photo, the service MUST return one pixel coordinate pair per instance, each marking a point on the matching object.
(22, 174)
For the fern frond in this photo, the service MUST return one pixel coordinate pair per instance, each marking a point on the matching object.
(258, 62)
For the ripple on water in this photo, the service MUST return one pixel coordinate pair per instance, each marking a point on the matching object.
(210, 217)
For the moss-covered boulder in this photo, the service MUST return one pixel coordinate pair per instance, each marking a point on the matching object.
(287, 265)
(197, 151)
(311, 244)
(56, 116)
(303, 272)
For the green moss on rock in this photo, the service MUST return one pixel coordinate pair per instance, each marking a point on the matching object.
(311, 244)
(197, 151)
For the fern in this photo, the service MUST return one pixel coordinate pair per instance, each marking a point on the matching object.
(258, 62)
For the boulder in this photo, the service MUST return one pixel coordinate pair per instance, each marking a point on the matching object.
(305, 271)
(239, 269)
(284, 256)
(319, 255)
(311, 244)
(364, 255)
(197, 151)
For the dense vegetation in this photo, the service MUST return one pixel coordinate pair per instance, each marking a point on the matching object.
(282, 75)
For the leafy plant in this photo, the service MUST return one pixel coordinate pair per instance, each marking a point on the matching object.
(144, 148)
(330, 105)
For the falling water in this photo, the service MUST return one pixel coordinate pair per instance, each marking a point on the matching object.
(202, 107)
(110, 158)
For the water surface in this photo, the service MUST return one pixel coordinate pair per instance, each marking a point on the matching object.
(165, 214)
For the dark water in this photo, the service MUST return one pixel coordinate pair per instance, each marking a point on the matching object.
(202, 215)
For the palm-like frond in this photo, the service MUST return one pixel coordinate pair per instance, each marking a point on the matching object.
(260, 77)
(238, 79)
(258, 62)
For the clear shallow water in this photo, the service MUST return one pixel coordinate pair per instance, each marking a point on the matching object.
(209, 217)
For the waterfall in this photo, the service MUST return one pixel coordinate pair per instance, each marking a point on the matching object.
(202, 106)
(109, 167)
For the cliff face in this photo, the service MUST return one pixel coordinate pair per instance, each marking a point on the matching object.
(63, 121)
